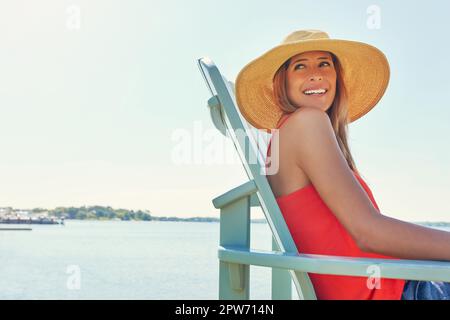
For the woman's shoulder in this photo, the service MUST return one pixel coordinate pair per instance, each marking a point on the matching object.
(307, 125)
(306, 117)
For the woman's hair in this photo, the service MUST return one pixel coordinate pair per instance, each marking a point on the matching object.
(337, 113)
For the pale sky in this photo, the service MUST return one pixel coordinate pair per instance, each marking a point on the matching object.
(93, 92)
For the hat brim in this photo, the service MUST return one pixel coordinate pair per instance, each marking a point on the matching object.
(365, 71)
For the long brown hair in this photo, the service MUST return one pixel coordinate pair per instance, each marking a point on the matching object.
(338, 112)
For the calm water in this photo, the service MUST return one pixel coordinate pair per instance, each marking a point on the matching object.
(120, 260)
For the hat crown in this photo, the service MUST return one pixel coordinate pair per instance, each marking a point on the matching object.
(305, 35)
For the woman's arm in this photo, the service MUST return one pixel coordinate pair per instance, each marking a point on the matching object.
(405, 240)
(317, 153)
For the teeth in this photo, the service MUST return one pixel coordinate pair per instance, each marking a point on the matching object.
(315, 91)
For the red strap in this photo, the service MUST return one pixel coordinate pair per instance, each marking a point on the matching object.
(284, 120)
(279, 126)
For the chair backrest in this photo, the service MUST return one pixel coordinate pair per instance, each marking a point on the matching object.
(227, 118)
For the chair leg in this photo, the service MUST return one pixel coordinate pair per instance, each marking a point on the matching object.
(234, 279)
(281, 280)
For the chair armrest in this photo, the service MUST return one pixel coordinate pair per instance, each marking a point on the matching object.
(244, 190)
(388, 268)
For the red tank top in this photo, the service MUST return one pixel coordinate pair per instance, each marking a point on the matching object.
(316, 230)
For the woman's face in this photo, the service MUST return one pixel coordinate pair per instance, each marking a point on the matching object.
(312, 70)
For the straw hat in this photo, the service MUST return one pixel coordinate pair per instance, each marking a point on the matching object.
(365, 72)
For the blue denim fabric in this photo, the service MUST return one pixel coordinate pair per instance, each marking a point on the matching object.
(426, 290)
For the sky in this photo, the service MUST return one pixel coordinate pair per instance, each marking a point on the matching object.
(93, 95)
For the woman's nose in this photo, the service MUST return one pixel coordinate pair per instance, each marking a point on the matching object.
(315, 78)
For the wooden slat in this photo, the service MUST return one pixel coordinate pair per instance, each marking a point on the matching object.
(322, 264)
(242, 191)
(234, 278)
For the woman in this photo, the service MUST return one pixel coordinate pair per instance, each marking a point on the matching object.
(310, 87)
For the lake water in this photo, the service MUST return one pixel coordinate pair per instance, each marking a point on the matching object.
(120, 260)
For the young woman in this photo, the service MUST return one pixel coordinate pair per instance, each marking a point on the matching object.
(310, 87)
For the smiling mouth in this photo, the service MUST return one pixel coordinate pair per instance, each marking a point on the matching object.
(318, 92)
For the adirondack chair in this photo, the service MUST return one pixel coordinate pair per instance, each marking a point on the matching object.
(287, 263)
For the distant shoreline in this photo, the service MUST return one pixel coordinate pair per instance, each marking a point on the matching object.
(217, 220)
(92, 213)
(169, 219)
(102, 213)
(199, 219)
(163, 219)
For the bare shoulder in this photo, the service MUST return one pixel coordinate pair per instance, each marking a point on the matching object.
(305, 119)
(310, 135)
(317, 152)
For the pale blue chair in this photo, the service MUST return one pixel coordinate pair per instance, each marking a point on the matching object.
(235, 254)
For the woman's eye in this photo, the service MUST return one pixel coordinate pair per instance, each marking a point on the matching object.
(302, 66)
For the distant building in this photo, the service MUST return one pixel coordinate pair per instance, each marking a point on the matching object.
(22, 213)
(5, 211)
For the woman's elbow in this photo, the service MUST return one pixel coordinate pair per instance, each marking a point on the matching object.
(364, 238)
(361, 240)
(364, 244)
